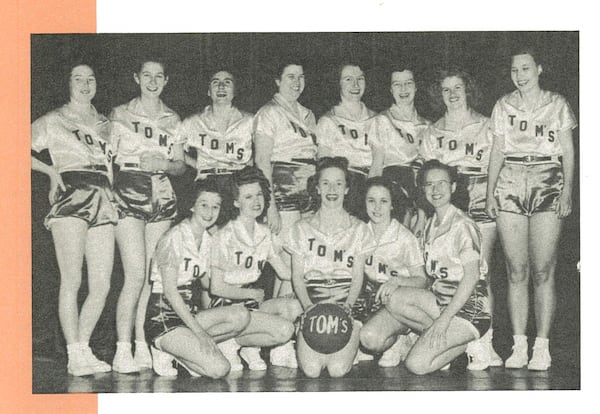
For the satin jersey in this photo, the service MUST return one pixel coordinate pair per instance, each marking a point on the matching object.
(468, 147)
(400, 138)
(134, 132)
(532, 132)
(177, 248)
(214, 149)
(72, 143)
(344, 136)
(293, 135)
(240, 257)
(447, 247)
(396, 252)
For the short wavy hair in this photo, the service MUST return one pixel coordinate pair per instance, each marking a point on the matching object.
(322, 164)
(472, 88)
(249, 175)
(398, 200)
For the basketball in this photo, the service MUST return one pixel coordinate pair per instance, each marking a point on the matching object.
(326, 328)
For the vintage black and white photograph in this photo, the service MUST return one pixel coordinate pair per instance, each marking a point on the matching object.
(305, 212)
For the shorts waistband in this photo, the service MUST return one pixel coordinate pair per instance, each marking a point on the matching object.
(297, 161)
(217, 171)
(360, 170)
(534, 159)
(99, 168)
(463, 170)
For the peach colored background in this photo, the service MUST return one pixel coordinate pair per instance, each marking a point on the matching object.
(21, 18)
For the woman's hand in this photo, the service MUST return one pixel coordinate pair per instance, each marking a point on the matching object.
(274, 219)
(56, 186)
(435, 335)
(491, 206)
(257, 295)
(564, 204)
(152, 162)
(385, 290)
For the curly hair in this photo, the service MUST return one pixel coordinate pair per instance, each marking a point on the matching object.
(322, 164)
(208, 185)
(338, 74)
(460, 195)
(472, 89)
(249, 175)
(398, 202)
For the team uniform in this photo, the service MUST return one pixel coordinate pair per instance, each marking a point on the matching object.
(447, 247)
(395, 253)
(401, 139)
(144, 195)
(240, 257)
(469, 150)
(329, 258)
(294, 150)
(345, 136)
(531, 179)
(217, 153)
(82, 153)
(176, 248)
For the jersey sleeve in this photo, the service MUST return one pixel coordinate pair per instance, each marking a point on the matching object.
(182, 135)
(566, 116)
(39, 134)
(177, 139)
(292, 243)
(168, 250)
(498, 118)
(219, 250)
(264, 124)
(426, 149)
(375, 139)
(115, 129)
(326, 132)
(412, 249)
(366, 240)
(468, 242)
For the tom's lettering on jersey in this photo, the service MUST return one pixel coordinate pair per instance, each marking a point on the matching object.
(327, 324)
(247, 261)
(195, 269)
(337, 255)
(215, 145)
(148, 132)
(354, 134)
(407, 135)
(382, 268)
(300, 131)
(452, 145)
(539, 130)
(90, 141)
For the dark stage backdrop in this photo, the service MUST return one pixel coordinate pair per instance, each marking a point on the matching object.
(254, 58)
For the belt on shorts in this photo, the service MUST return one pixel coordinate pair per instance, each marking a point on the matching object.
(530, 159)
(217, 171)
(98, 167)
(360, 170)
(304, 160)
(416, 164)
(469, 169)
(130, 165)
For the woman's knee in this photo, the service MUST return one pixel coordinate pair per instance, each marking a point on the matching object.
(543, 275)
(239, 318)
(417, 364)
(217, 368)
(371, 339)
(311, 369)
(339, 369)
(283, 331)
(518, 273)
(398, 300)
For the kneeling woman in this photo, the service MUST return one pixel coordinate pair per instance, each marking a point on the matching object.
(240, 250)
(319, 273)
(174, 324)
(455, 311)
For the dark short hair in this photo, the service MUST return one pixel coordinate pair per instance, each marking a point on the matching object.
(398, 206)
(434, 164)
(249, 175)
(472, 89)
(323, 164)
(155, 58)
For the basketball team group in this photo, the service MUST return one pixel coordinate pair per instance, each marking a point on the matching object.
(379, 228)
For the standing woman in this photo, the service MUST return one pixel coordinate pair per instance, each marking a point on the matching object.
(462, 138)
(400, 130)
(285, 148)
(221, 135)
(241, 249)
(455, 311)
(345, 131)
(396, 261)
(529, 191)
(83, 212)
(328, 256)
(147, 153)
(175, 326)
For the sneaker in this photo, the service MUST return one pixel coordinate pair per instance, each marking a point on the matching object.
(78, 365)
(445, 367)
(229, 349)
(162, 363)
(396, 353)
(142, 357)
(478, 354)
(188, 369)
(495, 360)
(251, 355)
(95, 363)
(123, 362)
(540, 360)
(361, 356)
(284, 356)
(518, 358)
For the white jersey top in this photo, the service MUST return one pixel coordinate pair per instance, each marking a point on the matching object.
(455, 242)
(396, 252)
(468, 147)
(239, 256)
(293, 134)
(346, 136)
(134, 132)
(532, 132)
(215, 149)
(329, 254)
(400, 138)
(177, 248)
(72, 143)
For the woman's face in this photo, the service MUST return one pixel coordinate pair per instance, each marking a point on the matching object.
(250, 201)
(379, 204)
(291, 83)
(221, 88)
(403, 87)
(206, 208)
(82, 84)
(152, 79)
(438, 188)
(454, 93)
(525, 73)
(352, 83)
(332, 187)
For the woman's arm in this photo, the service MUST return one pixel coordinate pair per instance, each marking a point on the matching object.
(56, 182)
(417, 279)
(153, 162)
(568, 164)
(377, 164)
(496, 162)
(358, 274)
(263, 151)
(283, 271)
(219, 287)
(298, 281)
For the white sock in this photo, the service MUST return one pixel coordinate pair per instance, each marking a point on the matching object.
(520, 340)
(73, 348)
(541, 342)
(123, 346)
